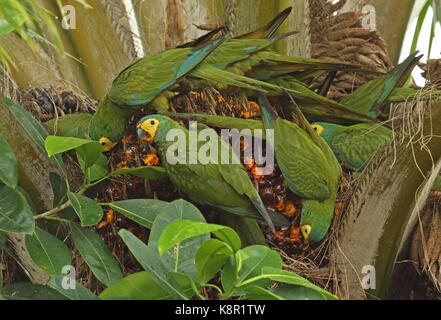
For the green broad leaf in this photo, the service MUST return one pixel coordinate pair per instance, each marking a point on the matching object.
(28, 198)
(150, 261)
(59, 188)
(89, 212)
(70, 125)
(142, 211)
(2, 240)
(210, 258)
(182, 257)
(282, 292)
(419, 25)
(283, 276)
(68, 214)
(253, 258)
(48, 252)
(30, 291)
(149, 173)
(290, 292)
(8, 164)
(96, 254)
(96, 171)
(33, 128)
(5, 27)
(88, 154)
(15, 213)
(87, 150)
(141, 286)
(180, 230)
(258, 293)
(71, 289)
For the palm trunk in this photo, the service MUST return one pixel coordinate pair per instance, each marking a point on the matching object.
(382, 211)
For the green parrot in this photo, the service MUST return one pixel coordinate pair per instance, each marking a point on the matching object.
(309, 168)
(223, 185)
(224, 63)
(354, 145)
(148, 81)
(373, 95)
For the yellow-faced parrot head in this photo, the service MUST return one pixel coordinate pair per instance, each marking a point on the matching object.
(107, 144)
(306, 231)
(146, 128)
(318, 128)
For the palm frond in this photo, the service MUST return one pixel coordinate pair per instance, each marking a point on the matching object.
(20, 16)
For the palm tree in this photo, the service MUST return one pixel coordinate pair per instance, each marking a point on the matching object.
(108, 35)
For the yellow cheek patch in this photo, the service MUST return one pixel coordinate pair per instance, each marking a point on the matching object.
(306, 230)
(106, 144)
(318, 128)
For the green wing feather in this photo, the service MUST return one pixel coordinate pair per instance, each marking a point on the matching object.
(226, 186)
(144, 80)
(219, 121)
(371, 96)
(356, 145)
(308, 165)
(270, 29)
(312, 101)
(300, 160)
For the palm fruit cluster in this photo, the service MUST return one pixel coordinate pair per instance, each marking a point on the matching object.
(130, 154)
(341, 37)
(45, 103)
(272, 190)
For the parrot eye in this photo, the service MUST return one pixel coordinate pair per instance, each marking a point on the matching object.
(152, 122)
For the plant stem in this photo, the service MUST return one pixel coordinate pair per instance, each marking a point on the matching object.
(54, 210)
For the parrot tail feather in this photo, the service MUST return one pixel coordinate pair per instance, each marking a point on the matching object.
(267, 111)
(264, 213)
(270, 29)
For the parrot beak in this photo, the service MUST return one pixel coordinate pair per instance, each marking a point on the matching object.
(145, 132)
(141, 133)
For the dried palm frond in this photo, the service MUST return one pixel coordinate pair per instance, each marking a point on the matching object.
(432, 73)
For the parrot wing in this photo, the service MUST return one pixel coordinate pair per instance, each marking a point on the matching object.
(371, 96)
(318, 105)
(264, 32)
(144, 80)
(210, 36)
(356, 145)
(219, 121)
(300, 160)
